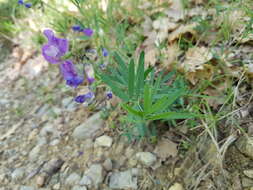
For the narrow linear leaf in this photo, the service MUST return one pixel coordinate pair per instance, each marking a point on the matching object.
(172, 115)
(171, 98)
(122, 66)
(140, 74)
(115, 89)
(147, 98)
(131, 110)
(146, 73)
(158, 105)
(131, 75)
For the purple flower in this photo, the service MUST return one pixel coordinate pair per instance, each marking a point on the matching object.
(109, 95)
(88, 31)
(77, 28)
(70, 74)
(89, 73)
(21, 2)
(28, 5)
(105, 52)
(55, 48)
(84, 97)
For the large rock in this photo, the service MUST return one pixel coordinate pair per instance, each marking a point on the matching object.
(124, 180)
(93, 176)
(89, 128)
(146, 158)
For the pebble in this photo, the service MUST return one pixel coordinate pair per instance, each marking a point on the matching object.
(146, 158)
(27, 188)
(89, 128)
(108, 164)
(248, 173)
(18, 174)
(245, 145)
(73, 179)
(86, 181)
(40, 180)
(57, 186)
(35, 152)
(123, 180)
(93, 174)
(104, 141)
(176, 186)
(79, 188)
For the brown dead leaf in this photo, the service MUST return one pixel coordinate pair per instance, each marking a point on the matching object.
(164, 24)
(176, 5)
(150, 55)
(175, 15)
(171, 53)
(166, 148)
(195, 58)
(204, 74)
(147, 26)
(189, 28)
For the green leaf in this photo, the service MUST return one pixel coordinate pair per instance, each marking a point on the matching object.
(146, 73)
(131, 75)
(132, 110)
(171, 98)
(158, 105)
(140, 74)
(115, 89)
(147, 98)
(172, 115)
(158, 83)
(122, 66)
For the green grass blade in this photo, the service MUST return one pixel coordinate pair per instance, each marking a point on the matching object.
(147, 98)
(146, 73)
(114, 86)
(131, 110)
(122, 66)
(140, 74)
(131, 74)
(172, 115)
(158, 105)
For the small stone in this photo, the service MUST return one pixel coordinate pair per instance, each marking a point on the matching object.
(108, 164)
(27, 188)
(18, 174)
(86, 181)
(94, 174)
(146, 158)
(40, 180)
(245, 145)
(123, 180)
(246, 182)
(73, 179)
(79, 188)
(35, 152)
(89, 128)
(248, 173)
(33, 134)
(54, 142)
(104, 141)
(176, 186)
(57, 186)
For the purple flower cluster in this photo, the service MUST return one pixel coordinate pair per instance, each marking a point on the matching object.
(54, 50)
(27, 5)
(86, 31)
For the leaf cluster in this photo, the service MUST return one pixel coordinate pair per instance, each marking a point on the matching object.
(145, 96)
